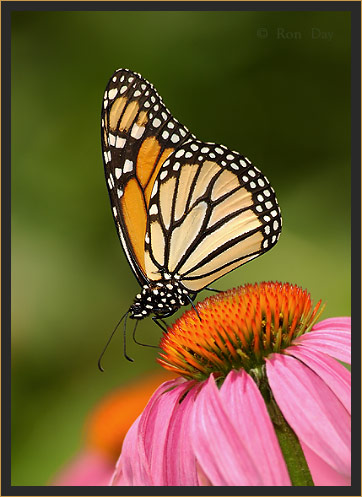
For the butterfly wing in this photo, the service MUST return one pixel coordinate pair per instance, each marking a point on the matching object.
(138, 134)
(210, 211)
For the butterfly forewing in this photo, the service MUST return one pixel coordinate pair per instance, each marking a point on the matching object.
(210, 211)
(138, 134)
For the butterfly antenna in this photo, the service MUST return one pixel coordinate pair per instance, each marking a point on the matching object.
(139, 343)
(109, 341)
(124, 340)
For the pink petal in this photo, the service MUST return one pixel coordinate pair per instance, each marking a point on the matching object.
(336, 343)
(219, 448)
(312, 410)
(134, 465)
(334, 374)
(343, 323)
(246, 407)
(154, 427)
(203, 479)
(322, 474)
(89, 468)
(131, 468)
(179, 458)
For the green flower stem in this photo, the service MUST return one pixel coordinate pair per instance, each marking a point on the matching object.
(292, 451)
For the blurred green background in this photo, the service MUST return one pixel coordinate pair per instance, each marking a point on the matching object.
(272, 85)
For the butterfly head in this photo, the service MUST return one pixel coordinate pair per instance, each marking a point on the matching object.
(163, 298)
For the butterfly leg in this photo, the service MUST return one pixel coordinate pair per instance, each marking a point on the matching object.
(157, 320)
(140, 343)
(193, 306)
(212, 289)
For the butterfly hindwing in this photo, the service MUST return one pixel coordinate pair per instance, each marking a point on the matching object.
(210, 211)
(138, 134)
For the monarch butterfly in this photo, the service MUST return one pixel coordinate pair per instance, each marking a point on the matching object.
(186, 211)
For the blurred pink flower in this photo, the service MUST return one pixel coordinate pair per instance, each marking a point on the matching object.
(88, 468)
(104, 431)
(214, 427)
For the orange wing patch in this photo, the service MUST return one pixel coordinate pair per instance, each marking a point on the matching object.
(135, 218)
(149, 162)
(129, 116)
(161, 160)
(147, 157)
(116, 112)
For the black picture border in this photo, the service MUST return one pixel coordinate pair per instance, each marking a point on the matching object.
(7, 7)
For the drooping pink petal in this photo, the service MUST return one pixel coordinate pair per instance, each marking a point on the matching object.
(154, 426)
(203, 479)
(334, 374)
(312, 410)
(246, 408)
(131, 468)
(179, 457)
(336, 343)
(343, 323)
(219, 448)
(323, 475)
(89, 468)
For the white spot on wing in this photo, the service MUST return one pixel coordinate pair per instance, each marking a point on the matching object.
(128, 166)
(154, 189)
(180, 153)
(154, 209)
(112, 93)
(120, 142)
(137, 131)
